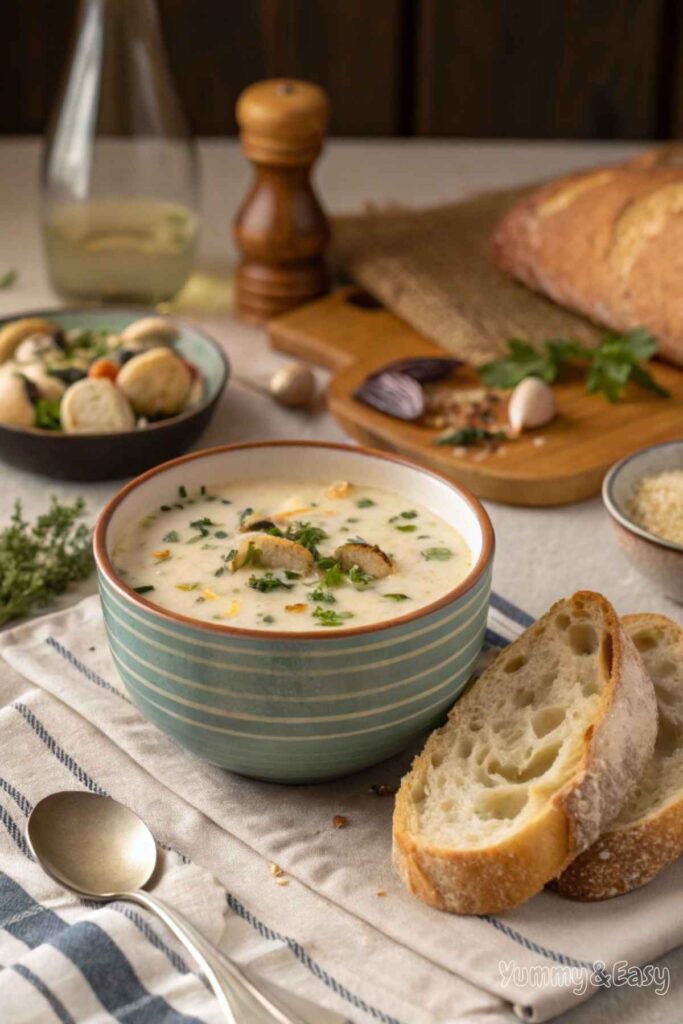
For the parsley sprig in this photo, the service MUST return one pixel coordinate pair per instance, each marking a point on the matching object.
(39, 560)
(617, 360)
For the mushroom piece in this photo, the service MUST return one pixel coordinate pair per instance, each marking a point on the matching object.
(257, 524)
(150, 330)
(49, 387)
(16, 407)
(267, 552)
(95, 407)
(368, 557)
(156, 382)
(38, 345)
(11, 335)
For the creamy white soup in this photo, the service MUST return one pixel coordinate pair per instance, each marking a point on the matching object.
(272, 556)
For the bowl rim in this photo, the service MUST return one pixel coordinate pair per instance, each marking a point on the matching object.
(614, 509)
(474, 575)
(127, 435)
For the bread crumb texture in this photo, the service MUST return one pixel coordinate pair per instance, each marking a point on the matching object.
(656, 505)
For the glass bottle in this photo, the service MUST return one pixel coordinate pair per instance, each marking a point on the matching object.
(119, 207)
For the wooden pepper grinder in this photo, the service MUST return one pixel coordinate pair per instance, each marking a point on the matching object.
(281, 228)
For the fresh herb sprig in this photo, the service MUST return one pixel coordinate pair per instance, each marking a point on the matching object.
(465, 437)
(39, 560)
(617, 360)
(268, 582)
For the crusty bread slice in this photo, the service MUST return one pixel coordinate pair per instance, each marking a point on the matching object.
(534, 761)
(648, 833)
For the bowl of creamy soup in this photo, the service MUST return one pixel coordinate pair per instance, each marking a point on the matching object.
(294, 611)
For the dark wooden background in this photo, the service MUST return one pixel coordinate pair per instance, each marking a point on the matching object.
(473, 68)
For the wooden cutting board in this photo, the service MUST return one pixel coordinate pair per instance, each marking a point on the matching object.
(353, 337)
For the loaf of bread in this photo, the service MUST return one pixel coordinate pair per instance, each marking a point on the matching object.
(648, 833)
(535, 761)
(607, 243)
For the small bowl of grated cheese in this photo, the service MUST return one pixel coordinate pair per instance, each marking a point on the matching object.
(643, 494)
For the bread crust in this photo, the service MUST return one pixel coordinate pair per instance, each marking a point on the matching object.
(503, 875)
(606, 243)
(630, 855)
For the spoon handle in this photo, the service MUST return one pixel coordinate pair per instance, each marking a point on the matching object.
(240, 998)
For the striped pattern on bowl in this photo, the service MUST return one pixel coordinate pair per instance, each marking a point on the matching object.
(302, 711)
(294, 707)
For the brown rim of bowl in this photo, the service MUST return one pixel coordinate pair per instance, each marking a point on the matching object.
(145, 310)
(107, 569)
(615, 511)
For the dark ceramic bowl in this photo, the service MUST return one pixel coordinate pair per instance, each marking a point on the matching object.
(660, 560)
(89, 457)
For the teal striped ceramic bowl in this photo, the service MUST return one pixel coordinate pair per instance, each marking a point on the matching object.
(296, 707)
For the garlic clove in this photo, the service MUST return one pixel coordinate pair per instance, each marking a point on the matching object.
(293, 386)
(532, 404)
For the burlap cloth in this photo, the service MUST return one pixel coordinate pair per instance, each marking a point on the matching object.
(431, 267)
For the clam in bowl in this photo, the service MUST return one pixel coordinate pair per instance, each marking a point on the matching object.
(306, 702)
(658, 559)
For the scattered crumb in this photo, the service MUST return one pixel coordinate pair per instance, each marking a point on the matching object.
(282, 881)
(340, 821)
(460, 451)
(538, 441)
(502, 450)
(380, 789)
(381, 892)
(480, 456)
(276, 870)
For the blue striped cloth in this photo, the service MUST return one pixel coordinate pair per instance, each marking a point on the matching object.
(67, 723)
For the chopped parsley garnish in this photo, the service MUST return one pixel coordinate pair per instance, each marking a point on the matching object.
(268, 620)
(245, 513)
(182, 491)
(396, 597)
(268, 582)
(172, 537)
(47, 414)
(8, 278)
(365, 503)
(465, 437)
(291, 575)
(437, 554)
(333, 575)
(360, 579)
(202, 489)
(165, 508)
(307, 535)
(329, 617)
(407, 528)
(253, 555)
(145, 589)
(221, 534)
(410, 514)
(324, 596)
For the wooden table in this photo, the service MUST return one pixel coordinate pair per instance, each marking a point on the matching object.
(542, 554)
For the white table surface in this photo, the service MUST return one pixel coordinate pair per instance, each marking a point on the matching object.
(542, 554)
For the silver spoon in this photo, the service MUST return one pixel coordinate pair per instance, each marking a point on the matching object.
(102, 850)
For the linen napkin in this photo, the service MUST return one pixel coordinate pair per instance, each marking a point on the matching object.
(342, 931)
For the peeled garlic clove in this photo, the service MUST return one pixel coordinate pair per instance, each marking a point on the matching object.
(293, 386)
(532, 404)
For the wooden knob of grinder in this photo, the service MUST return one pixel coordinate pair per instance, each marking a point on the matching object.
(280, 228)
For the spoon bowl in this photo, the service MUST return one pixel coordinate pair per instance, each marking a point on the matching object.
(92, 844)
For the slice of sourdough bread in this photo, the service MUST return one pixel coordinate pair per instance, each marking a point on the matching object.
(648, 833)
(535, 760)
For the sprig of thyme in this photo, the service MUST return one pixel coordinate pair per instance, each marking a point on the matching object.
(39, 560)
